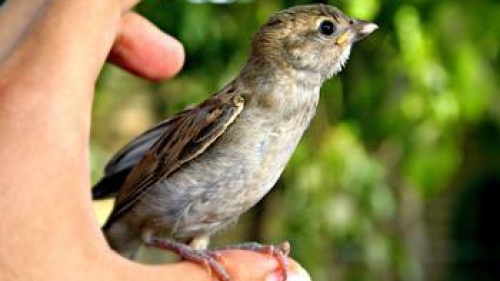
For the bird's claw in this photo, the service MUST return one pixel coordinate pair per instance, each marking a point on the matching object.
(207, 258)
(280, 251)
(210, 258)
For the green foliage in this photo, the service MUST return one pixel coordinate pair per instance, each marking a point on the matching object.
(393, 134)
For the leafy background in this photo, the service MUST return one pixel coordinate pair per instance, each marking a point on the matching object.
(398, 177)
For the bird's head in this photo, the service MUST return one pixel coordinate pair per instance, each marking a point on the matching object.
(312, 38)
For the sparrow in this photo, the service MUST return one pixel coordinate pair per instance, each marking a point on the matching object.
(196, 172)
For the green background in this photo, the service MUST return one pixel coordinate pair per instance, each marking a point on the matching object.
(398, 177)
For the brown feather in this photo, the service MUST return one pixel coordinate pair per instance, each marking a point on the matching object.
(190, 133)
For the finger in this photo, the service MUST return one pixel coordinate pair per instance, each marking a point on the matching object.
(249, 265)
(241, 265)
(128, 4)
(144, 50)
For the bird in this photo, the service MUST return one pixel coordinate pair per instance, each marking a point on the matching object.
(196, 172)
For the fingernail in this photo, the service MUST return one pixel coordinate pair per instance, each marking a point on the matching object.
(298, 274)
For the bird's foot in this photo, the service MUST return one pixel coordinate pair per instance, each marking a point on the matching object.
(206, 258)
(279, 251)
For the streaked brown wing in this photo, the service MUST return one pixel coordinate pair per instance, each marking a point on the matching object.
(132, 152)
(188, 135)
(118, 168)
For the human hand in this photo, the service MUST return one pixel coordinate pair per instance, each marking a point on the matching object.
(50, 57)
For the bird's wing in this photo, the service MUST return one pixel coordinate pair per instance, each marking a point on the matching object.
(124, 161)
(132, 153)
(189, 134)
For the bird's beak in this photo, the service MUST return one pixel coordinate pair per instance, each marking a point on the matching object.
(362, 29)
(358, 30)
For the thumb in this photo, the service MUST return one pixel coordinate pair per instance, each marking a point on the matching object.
(249, 265)
(240, 265)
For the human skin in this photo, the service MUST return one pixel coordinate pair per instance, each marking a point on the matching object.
(50, 57)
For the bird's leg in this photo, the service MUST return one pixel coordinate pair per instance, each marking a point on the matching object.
(200, 256)
(279, 251)
(200, 242)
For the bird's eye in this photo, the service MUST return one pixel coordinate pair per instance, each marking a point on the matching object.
(327, 27)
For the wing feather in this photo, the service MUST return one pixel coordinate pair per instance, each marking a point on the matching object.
(118, 168)
(187, 135)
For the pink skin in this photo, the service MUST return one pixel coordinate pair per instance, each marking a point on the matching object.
(50, 57)
(144, 50)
